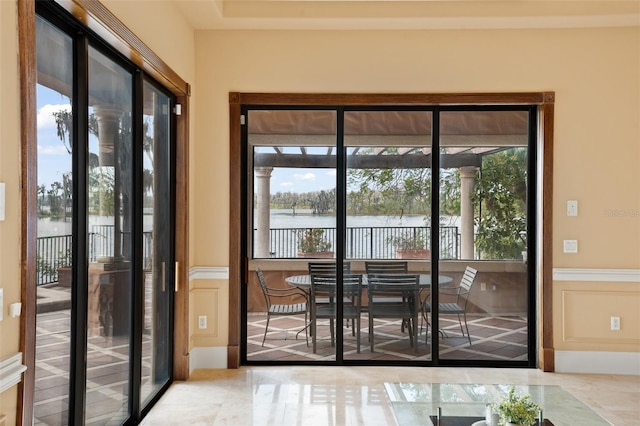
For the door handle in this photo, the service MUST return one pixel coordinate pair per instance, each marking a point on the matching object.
(177, 277)
(164, 276)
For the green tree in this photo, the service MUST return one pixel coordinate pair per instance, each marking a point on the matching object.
(450, 192)
(101, 194)
(394, 191)
(42, 191)
(55, 199)
(501, 196)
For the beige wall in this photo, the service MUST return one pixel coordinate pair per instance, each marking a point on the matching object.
(10, 175)
(594, 73)
(174, 46)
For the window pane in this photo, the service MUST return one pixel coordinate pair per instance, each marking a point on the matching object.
(294, 216)
(483, 192)
(55, 210)
(294, 175)
(110, 218)
(388, 227)
(157, 243)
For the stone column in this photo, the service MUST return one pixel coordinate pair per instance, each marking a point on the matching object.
(108, 118)
(467, 178)
(263, 224)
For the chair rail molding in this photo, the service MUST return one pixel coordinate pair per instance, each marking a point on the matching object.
(11, 370)
(208, 273)
(611, 275)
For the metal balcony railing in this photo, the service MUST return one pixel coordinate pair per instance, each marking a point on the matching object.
(372, 242)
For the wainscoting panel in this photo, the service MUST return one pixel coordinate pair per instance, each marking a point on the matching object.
(586, 316)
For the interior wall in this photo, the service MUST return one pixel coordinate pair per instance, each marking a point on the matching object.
(166, 32)
(10, 175)
(593, 72)
(180, 57)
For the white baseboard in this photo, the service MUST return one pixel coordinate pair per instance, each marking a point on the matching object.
(210, 357)
(601, 275)
(11, 370)
(208, 273)
(597, 362)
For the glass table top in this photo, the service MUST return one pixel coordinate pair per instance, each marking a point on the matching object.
(413, 403)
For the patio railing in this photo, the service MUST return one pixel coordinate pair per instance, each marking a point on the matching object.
(55, 251)
(373, 242)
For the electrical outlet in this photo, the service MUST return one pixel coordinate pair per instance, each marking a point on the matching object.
(483, 286)
(202, 322)
(615, 323)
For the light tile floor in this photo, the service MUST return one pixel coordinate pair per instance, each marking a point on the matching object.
(306, 395)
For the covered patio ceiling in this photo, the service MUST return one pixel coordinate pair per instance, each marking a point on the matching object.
(382, 139)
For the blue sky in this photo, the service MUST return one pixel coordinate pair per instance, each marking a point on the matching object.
(53, 158)
(302, 180)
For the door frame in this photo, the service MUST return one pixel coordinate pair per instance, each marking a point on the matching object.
(238, 265)
(101, 21)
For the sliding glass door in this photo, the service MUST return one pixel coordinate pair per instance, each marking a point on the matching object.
(294, 216)
(484, 191)
(427, 207)
(388, 217)
(105, 231)
(157, 243)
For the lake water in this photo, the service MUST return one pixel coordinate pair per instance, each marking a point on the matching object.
(362, 242)
(48, 227)
(280, 218)
(284, 218)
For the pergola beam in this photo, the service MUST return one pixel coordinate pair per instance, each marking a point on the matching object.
(409, 161)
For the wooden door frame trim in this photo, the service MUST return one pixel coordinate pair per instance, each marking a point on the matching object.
(107, 26)
(545, 101)
(29, 213)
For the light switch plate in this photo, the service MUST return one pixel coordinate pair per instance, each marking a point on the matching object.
(570, 246)
(572, 208)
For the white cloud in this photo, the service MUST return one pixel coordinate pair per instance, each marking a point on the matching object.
(52, 150)
(305, 176)
(287, 184)
(332, 172)
(45, 115)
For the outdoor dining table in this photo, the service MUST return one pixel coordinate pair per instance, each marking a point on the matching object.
(304, 281)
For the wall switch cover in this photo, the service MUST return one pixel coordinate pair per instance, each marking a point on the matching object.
(15, 309)
(572, 208)
(570, 246)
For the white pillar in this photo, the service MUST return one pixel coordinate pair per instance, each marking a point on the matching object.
(263, 198)
(467, 178)
(108, 119)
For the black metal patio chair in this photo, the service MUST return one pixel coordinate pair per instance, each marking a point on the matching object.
(287, 307)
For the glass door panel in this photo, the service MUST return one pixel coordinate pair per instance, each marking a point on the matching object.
(483, 312)
(55, 217)
(388, 211)
(110, 220)
(157, 243)
(293, 205)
